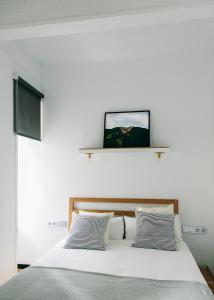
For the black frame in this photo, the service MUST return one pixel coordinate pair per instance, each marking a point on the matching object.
(16, 83)
(120, 112)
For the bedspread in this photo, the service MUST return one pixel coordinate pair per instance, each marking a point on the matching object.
(42, 283)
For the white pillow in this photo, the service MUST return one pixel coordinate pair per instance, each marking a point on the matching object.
(164, 209)
(130, 228)
(111, 214)
(178, 232)
(116, 228)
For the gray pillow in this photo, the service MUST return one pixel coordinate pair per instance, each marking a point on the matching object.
(154, 231)
(87, 232)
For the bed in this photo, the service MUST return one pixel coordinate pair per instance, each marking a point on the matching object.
(120, 272)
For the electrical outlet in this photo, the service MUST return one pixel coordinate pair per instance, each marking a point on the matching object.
(54, 224)
(194, 229)
(51, 224)
(185, 228)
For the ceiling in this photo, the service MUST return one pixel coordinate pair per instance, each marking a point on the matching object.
(98, 30)
(27, 12)
(192, 36)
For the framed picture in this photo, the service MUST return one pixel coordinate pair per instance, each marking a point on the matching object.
(127, 129)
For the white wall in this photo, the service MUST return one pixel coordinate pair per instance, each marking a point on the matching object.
(7, 172)
(179, 92)
(12, 60)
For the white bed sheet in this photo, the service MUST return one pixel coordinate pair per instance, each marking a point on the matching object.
(122, 260)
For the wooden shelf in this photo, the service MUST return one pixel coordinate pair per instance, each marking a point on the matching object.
(158, 151)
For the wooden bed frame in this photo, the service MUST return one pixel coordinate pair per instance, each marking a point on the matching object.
(74, 200)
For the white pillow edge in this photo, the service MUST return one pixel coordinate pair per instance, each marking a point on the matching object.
(123, 229)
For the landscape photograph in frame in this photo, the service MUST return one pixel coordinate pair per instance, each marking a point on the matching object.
(127, 129)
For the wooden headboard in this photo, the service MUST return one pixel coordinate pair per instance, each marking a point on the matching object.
(74, 200)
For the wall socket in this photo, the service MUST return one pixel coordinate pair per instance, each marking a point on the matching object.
(194, 229)
(55, 224)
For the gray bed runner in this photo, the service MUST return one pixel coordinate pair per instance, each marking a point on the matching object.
(38, 283)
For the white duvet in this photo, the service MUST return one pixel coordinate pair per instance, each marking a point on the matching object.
(123, 260)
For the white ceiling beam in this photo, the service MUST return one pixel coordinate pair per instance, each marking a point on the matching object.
(108, 23)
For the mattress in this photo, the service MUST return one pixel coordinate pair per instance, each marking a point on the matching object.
(120, 259)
